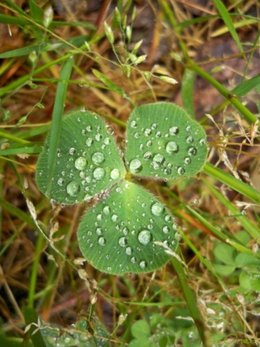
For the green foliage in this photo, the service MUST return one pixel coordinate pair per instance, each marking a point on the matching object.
(128, 230)
(164, 142)
(241, 267)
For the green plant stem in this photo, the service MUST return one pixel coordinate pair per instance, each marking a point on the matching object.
(249, 116)
(34, 271)
(232, 182)
(191, 301)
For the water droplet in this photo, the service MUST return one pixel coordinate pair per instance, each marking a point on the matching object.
(173, 131)
(106, 210)
(167, 218)
(99, 217)
(98, 158)
(114, 174)
(114, 218)
(147, 131)
(158, 158)
(98, 173)
(128, 250)
(60, 182)
(99, 231)
(154, 126)
(144, 237)
(157, 209)
(188, 127)
(180, 171)
(187, 160)
(189, 139)
(133, 124)
(101, 241)
(158, 134)
(80, 163)
(72, 188)
(133, 260)
(72, 151)
(148, 155)
(202, 142)
(135, 165)
(89, 141)
(166, 229)
(149, 143)
(125, 230)
(107, 141)
(89, 128)
(192, 151)
(122, 241)
(136, 135)
(171, 147)
(142, 264)
(98, 137)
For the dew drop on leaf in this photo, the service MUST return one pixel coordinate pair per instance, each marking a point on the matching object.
(142, 264)
(101, 241)
(98, 173)
(128, 250)
(148, 155)
(60, 181)
(171, 147)
(187, 160)
(180, 171)
(157, 209)
(98, 158)
(135, 166)
(166, 229)
(189, 139)
(173, 131)
(80, 163)
(114, 174)
(144, 237)
(192, 151)
(158, 158)
(99, 231)
(122, 241)
(89, 141)
(106, 210)
(72, 188)
(72, 151)
(133, 260)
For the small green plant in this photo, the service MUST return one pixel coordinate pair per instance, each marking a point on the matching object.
(128, 229)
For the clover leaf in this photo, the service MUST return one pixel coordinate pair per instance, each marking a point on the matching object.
(128, 229)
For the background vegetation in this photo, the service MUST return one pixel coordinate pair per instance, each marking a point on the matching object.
(127, 53)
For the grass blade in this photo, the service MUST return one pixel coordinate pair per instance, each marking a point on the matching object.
(191, 301)
(187, 88)
(232, 182)
(57, 117)
(228, 21)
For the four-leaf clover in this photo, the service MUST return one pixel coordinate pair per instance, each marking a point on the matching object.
(128, 229)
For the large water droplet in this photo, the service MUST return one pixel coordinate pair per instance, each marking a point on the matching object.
(173, 131)
(80, 163)
(98, 173)
(135, 165)
(144, 237)
(172, 147)
(101, 241)
(202, 142)
(122, 241)
(157, 209)
(133, 260)
(147, 131)
(114, 217)
(72, 188)
(98, 158)
(114, 174)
